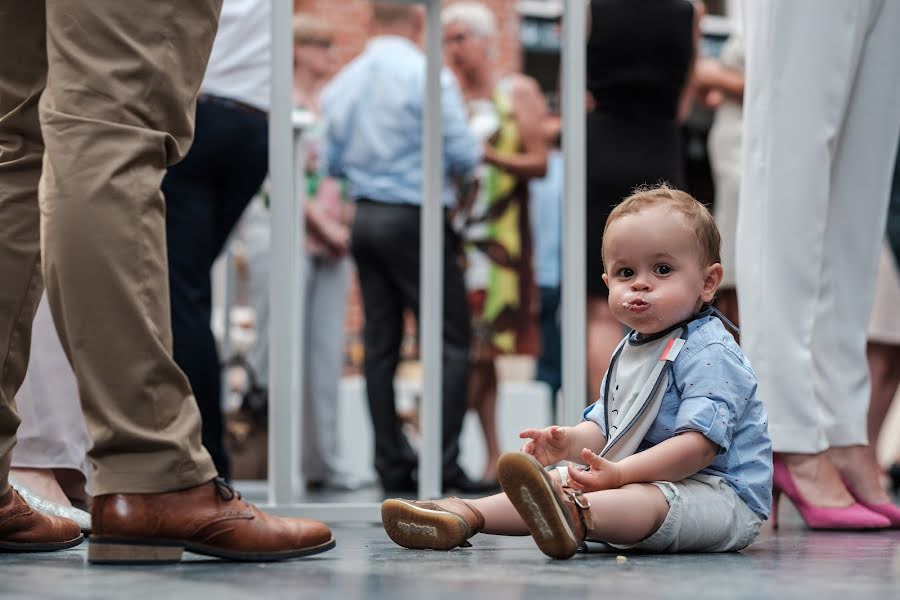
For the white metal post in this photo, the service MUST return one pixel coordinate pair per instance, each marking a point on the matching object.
(285, 300)
(229, 286)
(574, 328)
(431, 277)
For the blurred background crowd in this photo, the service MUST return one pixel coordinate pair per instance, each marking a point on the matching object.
(504, 196)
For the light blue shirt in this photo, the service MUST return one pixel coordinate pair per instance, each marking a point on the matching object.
(372, 114)
(546, 221)
(712, 389)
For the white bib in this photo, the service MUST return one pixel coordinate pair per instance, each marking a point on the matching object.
(637, 380)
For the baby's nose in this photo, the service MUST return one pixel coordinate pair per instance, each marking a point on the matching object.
(640, 283)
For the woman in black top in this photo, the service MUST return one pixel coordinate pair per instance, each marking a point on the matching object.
(639, 56)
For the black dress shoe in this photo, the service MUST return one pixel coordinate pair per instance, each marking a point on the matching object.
(406, 485)
(463, 485)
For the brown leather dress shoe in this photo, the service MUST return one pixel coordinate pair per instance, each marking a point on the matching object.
(431, 525)
(209, 519)
(557, 517)
(23, 529)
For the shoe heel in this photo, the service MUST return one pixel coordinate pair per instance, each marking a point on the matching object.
(111, 552)
(532, 495)
(894, 474)
(776, 497)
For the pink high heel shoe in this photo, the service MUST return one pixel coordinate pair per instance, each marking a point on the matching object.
(854, 516)
(886, 509)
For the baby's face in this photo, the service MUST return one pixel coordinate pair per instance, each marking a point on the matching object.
(653, 270)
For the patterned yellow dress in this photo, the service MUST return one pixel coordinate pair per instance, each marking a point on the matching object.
(498, 245)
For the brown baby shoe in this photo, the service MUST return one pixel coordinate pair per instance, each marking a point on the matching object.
(556, 517)
(432, 525)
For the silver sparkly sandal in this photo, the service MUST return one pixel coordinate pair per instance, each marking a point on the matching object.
(48, 507)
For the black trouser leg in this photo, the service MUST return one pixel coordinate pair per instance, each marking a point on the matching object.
(205, 195)
(549, 366)
(386, 238)
(395, 459)
(456, 343)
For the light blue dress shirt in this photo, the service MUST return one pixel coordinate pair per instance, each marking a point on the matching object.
(712, 389)
(546, 222)
(373, 112)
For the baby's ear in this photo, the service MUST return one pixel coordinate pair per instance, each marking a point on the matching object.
(605, 279)
(711, 281)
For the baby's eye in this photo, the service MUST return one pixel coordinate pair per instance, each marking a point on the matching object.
(662, 269)
(625, 272)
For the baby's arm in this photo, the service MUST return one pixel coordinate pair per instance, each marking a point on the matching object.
(554, 444)
(672, 460)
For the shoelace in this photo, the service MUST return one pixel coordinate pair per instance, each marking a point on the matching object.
(225, 491)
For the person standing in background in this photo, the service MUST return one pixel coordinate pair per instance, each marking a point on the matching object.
(328, 218)
(372, 113)
(720, 86)
(639, 58)
(883, 344)
(821, 124)
(505, 114)
(207, 192)
(546, 210)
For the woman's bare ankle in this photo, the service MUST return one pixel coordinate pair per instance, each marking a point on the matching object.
(858, 466)
(42, 482)
(817, 479)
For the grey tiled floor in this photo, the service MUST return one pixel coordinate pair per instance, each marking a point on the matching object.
(795, 563)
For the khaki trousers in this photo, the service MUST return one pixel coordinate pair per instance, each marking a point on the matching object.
(96, 100)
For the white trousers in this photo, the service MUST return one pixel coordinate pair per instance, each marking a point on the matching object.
(53, 434)
(327, 284)
(323, 351)
(821, 119)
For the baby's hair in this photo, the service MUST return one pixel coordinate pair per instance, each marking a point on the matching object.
(698, 217)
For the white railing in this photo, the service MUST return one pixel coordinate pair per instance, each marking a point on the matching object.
(286, 150)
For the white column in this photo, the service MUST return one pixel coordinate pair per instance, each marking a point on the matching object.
(431, 280)
(285, 300)
(574, 327)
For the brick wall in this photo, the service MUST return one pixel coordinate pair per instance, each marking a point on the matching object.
(351, 21)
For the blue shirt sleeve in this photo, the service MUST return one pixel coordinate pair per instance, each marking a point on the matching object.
(337, 104)
(715, 386)
(462, 152)
(329, 154)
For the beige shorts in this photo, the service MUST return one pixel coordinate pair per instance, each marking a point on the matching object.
(705, 515)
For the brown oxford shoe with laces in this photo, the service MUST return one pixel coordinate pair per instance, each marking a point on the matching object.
(23, 529)
(209, 519)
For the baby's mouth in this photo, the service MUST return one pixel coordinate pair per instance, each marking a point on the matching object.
(636, 306)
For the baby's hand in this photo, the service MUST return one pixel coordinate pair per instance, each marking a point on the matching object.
(549, 445)
(604, 474)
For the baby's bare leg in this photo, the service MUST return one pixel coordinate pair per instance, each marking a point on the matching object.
(500, 516)
(622, 516)
(626, 515)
